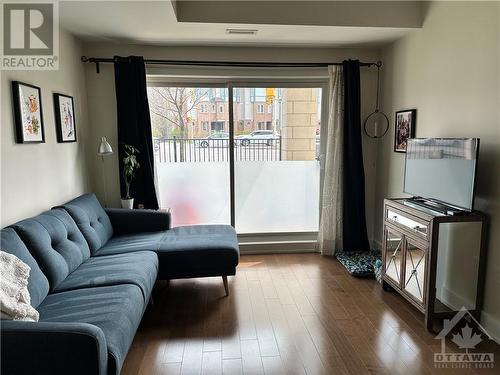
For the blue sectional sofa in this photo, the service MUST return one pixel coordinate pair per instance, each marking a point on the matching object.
(92, 274)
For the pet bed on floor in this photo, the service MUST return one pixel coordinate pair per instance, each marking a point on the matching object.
(359, 263)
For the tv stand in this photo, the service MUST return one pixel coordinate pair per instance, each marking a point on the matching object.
(434, 260)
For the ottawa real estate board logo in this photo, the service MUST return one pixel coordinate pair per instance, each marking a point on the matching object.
(466, 332)
(30, 39)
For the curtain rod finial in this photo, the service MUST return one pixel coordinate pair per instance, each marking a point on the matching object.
(84, 59)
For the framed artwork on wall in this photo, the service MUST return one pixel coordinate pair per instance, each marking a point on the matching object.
(404, 128)
(28, 116)
(64, 110)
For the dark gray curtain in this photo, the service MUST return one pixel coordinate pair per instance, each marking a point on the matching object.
(355, 236)
(134, 127)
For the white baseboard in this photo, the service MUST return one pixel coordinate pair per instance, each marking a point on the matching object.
(492, 325)
(283, 247)
(452, 299)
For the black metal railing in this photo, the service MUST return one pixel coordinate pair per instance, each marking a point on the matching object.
(203, 150)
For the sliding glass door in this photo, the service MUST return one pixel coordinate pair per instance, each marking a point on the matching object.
(271, 182)
(191, 152)
(277, 148)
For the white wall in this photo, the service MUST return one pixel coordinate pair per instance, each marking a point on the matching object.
(450, 72)
(35, 177)
(102, 102)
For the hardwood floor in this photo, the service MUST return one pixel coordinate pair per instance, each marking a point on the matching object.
(286, 314)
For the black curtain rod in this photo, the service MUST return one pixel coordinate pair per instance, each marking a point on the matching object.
(98, 60)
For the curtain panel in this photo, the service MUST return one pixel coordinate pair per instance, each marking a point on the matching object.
(343, 220)
(330, 228)
(134, 127)
(355, 236)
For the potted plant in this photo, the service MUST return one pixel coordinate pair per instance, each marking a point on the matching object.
(130, 166)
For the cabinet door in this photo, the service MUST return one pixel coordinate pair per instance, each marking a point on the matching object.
(393, 256)
(414, 271)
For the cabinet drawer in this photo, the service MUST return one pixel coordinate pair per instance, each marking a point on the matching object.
(407, 221)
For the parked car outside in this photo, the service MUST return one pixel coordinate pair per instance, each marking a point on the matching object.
(257, 135)
(214, 140)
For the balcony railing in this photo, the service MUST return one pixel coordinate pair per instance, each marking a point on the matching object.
(205, 150)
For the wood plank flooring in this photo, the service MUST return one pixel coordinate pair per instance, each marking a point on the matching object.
(286, 314)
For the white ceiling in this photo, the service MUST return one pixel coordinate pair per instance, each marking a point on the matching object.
(155, 23)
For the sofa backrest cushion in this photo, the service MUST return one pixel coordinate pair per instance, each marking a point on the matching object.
(92, 220)
(56, 243)
(38, 285)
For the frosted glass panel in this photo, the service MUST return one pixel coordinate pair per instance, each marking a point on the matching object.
(196, 193)
(277, 196)
(190, 127)
(277, 146)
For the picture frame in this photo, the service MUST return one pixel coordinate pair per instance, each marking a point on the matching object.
(404, 128)
(28, 113)
(64, 113)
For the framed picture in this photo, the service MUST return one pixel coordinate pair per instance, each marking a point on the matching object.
(28, 116)
(64, 111)
(405, 128)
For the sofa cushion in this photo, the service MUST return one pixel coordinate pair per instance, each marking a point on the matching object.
(137, 268)
(116, 310)
(131, 243)
(55, 242)
(92, 220)
(38, 285)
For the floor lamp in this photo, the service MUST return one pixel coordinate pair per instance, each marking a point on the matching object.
(103, 150)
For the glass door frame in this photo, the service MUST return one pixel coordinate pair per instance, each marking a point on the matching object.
(235, 82)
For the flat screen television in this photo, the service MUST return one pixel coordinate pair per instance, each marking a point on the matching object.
(442, 170)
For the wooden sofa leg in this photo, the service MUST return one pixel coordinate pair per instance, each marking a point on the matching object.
(226, 286)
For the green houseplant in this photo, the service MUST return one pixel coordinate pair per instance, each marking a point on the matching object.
(130, 166)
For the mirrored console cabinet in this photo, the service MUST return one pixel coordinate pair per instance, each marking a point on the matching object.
(435, 261)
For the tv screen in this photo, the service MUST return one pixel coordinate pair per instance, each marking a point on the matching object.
(442, 169)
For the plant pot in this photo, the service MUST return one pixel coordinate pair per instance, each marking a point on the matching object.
(128, 203)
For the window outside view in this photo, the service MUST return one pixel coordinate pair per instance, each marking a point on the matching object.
(276, 150)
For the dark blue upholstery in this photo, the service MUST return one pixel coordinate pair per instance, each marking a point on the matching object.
(183, 252)
(132, 242)
(100, 278)
(116, 310)
(137, 268)
(142, 221)
(38, 285)
(55, 242)
(198, 251)
(43, 348)
(92, 220)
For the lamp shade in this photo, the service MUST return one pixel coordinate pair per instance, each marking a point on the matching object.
(104, 148)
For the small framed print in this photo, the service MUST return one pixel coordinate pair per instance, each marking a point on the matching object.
(404, 128)
(28, 116)
(64, 111)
